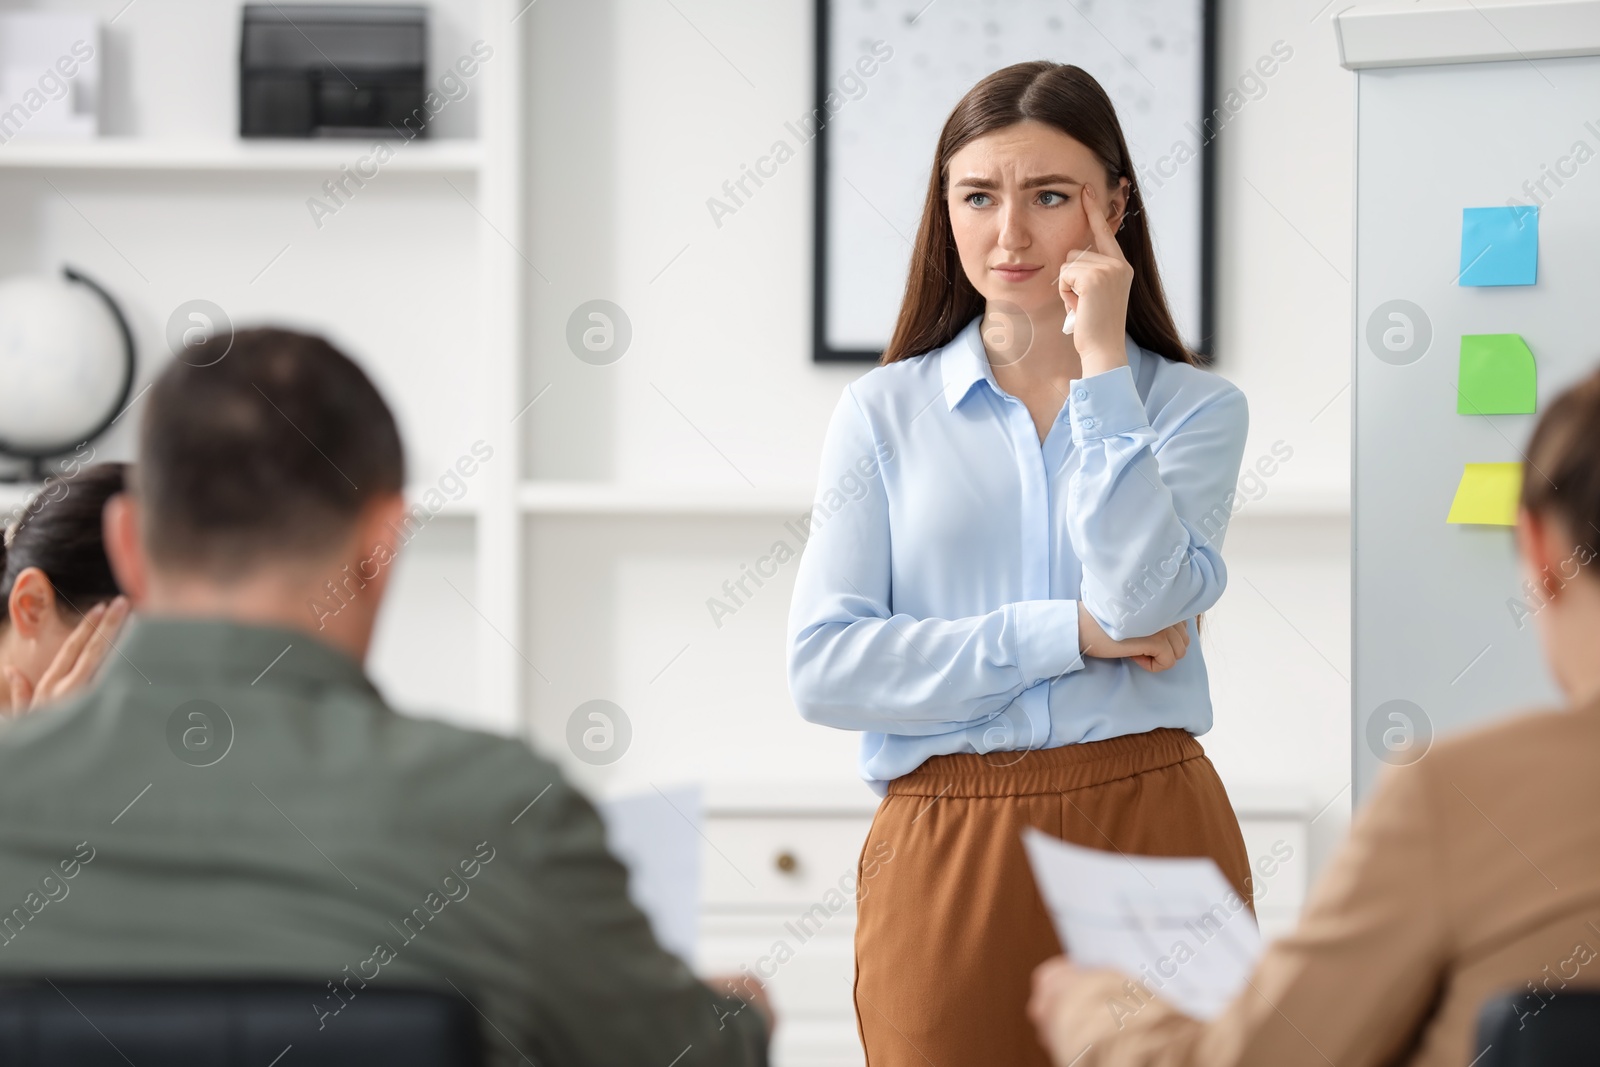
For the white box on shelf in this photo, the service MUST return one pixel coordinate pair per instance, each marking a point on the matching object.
(49, 75)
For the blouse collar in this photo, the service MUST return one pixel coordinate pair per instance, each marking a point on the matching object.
(963, 362)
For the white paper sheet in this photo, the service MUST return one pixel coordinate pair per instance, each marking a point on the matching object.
(656, 835)
(1175, 925)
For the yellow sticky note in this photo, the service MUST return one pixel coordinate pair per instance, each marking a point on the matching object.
(1487, 494)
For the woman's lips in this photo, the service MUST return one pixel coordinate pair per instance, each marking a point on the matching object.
(1016, 274)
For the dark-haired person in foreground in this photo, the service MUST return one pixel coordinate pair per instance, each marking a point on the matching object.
(62, 606)
(1472, 873)
(234, 797)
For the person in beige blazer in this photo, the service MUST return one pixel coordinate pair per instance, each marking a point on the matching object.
(1468, 874)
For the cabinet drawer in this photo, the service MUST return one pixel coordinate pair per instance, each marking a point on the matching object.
(808, 973)
(1278, 862)
(791, 864)
(1276, 922)
(817, 1043)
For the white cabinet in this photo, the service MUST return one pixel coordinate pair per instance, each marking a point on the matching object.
(1278, 865)
(776, 903)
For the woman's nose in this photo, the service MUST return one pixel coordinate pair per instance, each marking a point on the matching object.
(1013, 227)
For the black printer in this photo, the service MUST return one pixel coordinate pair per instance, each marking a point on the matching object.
(331, 70)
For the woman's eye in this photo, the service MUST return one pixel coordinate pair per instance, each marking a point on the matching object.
(1060, 198)
(969, 198)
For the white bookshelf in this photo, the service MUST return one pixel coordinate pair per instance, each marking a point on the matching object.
(438, 156)
(574, 498)
(418, 273)
(609, 498)
(1330, 503)
(620, 499)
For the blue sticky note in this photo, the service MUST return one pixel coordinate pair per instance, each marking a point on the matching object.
(1499, 245)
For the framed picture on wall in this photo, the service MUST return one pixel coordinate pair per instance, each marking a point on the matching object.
(888, 74)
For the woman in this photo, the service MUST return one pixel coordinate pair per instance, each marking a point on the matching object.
(1471, 875)
(63, 607)
(1015, 526)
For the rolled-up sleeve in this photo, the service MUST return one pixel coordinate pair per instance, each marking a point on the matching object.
(854, 664)
(1147, 514)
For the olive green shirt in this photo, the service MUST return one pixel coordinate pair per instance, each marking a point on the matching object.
(239, 801)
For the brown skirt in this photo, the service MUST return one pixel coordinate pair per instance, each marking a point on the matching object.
(949, 922)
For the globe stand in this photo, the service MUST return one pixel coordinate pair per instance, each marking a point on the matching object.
(36, 458)
(32, 474)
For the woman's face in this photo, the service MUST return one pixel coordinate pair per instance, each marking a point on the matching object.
(1015, 199)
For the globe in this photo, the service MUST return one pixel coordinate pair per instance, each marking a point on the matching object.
(63, 364)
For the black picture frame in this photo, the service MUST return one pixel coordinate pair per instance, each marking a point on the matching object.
(822, 352)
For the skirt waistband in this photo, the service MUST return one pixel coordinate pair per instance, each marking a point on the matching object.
(1047, 770)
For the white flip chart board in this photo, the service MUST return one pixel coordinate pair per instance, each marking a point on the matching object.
(1460, 105)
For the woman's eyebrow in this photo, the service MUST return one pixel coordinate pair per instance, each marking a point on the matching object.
(976, 182)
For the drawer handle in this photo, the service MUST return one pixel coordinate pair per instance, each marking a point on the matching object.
(786, 862)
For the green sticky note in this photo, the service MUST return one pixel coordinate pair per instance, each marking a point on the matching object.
(1487, 494)
(1497, 375)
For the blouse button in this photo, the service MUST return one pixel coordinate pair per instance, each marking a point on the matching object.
(1088, 424)
(1082, 394)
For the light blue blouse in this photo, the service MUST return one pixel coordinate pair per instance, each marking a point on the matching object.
(936, 602)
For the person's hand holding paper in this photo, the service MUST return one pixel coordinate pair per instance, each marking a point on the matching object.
(1173, 928)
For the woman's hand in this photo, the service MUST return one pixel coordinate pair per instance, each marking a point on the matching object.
(1095, 283)
(74, 663)
(1154, 653)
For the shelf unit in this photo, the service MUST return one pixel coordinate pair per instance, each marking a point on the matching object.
(611, 498)
(503, 277)
(14, 495)
(441, 156)
(173, 206)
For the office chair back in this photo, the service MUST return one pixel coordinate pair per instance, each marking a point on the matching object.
(90, 1023)
(1516, 1030)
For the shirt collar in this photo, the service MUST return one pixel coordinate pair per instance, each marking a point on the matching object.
(963, 362)
(212, 648)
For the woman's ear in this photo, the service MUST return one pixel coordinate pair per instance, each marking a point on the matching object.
(33, 602)
(1119, 204)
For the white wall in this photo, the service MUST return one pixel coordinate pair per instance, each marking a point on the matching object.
(1285, 201)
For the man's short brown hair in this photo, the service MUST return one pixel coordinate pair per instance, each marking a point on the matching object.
(262, 450)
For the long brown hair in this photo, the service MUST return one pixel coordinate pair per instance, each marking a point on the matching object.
(939, 299)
